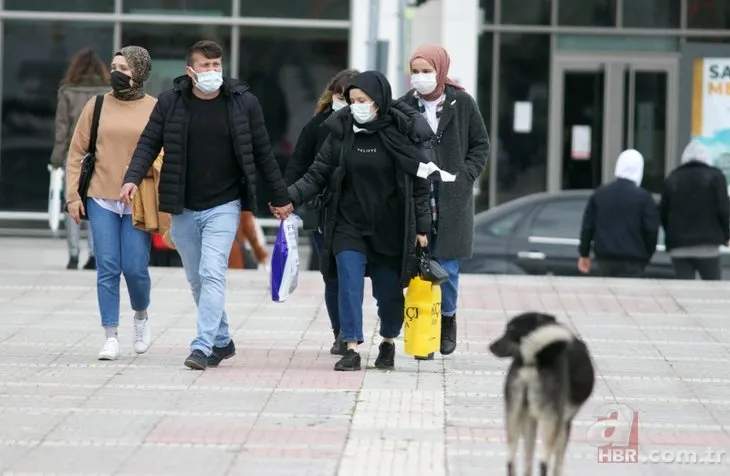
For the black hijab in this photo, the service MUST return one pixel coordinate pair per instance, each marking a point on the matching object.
(390, 127)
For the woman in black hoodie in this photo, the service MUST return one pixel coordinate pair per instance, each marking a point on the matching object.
(376, 207)
(310, 141)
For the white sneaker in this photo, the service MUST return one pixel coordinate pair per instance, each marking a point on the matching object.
(110, 351)
(141, 334)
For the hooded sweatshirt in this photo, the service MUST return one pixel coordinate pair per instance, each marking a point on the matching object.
(694, 206)
(621, 220)
(630, 166)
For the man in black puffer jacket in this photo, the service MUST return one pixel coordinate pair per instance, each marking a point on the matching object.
(621, 223)
(695, 213)
(213, 133)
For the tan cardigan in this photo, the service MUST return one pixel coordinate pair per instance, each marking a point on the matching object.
(120, 125)
(146, 215)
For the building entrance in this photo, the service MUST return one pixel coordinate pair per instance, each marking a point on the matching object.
(603, 104)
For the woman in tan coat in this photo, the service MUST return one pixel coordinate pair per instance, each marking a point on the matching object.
(120, 247)
(85, 77)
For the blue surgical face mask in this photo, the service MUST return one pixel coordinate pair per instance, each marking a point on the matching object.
(208, 81)
(362, 113)
(337, 105)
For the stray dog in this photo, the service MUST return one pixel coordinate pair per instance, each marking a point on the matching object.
(550, 378)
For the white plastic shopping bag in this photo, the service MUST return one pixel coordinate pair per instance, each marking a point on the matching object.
(55, 190)
(285, 259)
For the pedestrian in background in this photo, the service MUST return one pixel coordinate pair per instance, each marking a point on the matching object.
(378, 211)
(695, 214)
(620, 223)
(459, 145)
(310, 141)
(120, 247)
(213, 132)
(85, 77)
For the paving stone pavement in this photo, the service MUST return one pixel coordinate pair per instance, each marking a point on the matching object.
(278, 408)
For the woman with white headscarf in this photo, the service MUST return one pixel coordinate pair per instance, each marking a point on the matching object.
(695, 214)
(620, 223)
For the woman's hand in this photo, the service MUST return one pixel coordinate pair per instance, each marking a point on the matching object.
(422, 241)
(75, 210)
(282, 213)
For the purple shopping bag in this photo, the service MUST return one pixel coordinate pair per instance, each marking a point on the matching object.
(285, 259)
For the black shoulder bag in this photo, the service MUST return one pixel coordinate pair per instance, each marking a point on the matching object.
(89, 161)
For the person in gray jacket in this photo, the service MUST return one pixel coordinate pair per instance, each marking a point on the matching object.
(86, 77)
(460, 145)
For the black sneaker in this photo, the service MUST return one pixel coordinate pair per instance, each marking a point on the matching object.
(386, 356)
(428, 357)
(220, 354)
(73, 263)
(197, 360)
(90, 263)
(339, 346)
(448, 334)
(349, 362)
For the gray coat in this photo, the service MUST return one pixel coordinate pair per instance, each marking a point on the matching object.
(462, 149)
(71, 101)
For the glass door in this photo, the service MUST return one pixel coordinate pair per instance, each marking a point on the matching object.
(603, 105)
(582, 131)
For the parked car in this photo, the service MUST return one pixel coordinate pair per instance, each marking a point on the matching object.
(540, 233)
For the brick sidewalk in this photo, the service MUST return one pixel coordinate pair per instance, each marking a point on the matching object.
(278, 408)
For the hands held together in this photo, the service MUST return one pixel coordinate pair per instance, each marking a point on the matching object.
(282, 213)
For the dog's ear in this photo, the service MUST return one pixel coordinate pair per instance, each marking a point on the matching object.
(547, 319)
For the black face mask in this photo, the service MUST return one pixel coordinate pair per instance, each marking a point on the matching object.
(120, 81)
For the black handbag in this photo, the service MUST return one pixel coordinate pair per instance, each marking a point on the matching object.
(89, 161)
(429, 269)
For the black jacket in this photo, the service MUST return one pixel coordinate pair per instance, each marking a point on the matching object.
(621, 220)
(328, 172)
(167, 127)
(308, 144)
(695, 209)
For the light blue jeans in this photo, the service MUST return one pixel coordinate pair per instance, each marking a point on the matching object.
(204, 239)
(120, 249)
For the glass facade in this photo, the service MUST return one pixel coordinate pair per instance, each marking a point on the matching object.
(574, 82)
(287, 66)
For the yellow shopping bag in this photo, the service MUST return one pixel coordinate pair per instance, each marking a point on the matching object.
(422, 318)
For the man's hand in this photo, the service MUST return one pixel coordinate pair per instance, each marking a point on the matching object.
(584, 265)
(75, 210)
(422, 241)
(282, 213)
(129, 190)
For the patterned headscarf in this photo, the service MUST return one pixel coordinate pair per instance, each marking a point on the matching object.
(140, 63)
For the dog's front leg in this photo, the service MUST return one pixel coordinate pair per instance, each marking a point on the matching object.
(530, 435)
(549, 430)
(561, 445)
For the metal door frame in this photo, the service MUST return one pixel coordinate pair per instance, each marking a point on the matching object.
(614, 65)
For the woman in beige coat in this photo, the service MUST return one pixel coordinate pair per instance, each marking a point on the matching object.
(85, 77)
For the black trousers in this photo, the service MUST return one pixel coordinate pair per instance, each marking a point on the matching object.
(620, 269)
(708, 268)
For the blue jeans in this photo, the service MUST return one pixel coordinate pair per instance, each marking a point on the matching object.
(204, 239)
(331, 288)
(387, 292)
(449, 289)
(120, 249)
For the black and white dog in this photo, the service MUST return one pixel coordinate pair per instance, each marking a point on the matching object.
(550, 378)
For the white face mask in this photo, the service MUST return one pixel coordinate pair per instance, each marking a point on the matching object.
(362, 113)
(425, 83)
(208, 81)
(337, 105)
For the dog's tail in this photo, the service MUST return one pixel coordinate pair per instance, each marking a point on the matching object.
(545, 343)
